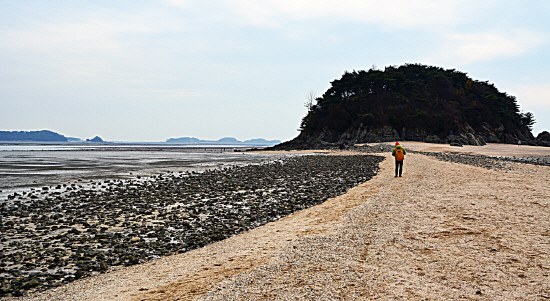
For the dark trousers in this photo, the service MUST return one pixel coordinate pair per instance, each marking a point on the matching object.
(398, 167)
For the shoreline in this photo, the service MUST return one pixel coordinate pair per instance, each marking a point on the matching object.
(22, 170)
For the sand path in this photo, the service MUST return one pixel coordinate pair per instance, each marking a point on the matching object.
(443, 231)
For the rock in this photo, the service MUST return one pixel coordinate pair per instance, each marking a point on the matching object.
(32, 283)
(543, 136)
(74, 231)
(178, 212)
(543, 139)
(103, 266)
(79, 274)
(6, 288)
(432, 139)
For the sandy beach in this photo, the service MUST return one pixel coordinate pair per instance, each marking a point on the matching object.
(443, 231)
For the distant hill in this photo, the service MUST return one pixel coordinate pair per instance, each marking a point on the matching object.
(184, 140)
(225, 140)
(228, 140)
(261, 141)
(412, 102)
(43, 136)
(95, 139)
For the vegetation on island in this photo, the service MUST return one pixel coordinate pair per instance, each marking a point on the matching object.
(413, 102)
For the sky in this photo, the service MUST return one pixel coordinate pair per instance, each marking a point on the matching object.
(152, 70)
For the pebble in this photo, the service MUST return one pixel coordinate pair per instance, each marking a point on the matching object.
(496, 163)
(72, 231)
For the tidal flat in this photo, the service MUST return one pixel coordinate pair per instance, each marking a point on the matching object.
(66, 232)
(43, 165)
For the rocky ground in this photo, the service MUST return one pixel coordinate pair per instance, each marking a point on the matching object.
(66, 232)
(497, 163)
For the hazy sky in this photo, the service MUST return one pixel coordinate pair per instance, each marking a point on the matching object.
(152, 70)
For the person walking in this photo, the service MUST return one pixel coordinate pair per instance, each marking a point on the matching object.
(399, 153)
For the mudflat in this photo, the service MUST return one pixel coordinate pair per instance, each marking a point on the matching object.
(442, 231)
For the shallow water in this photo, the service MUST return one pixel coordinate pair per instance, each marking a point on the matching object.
(23, 169)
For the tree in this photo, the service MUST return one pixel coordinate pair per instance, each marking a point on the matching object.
(310, 101)
(429, 99)
(528, 119)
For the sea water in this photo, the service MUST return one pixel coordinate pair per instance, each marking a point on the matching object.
(25, 167)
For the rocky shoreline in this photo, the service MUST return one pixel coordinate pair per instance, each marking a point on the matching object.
(328, 139)
(497, 163)
(66, 232)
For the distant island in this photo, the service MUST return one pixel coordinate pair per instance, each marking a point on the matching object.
(50, 136)
(226, 140)
(42, 136)
(95, 139)
(413, 102)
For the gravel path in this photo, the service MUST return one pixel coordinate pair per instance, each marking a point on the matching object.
(443, 231)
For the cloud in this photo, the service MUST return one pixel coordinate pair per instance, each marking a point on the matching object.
(392, 14)
(171, 93)
(532, 96)
(85, 30)
(468, 48)
(90, 35)
(534, 99)
(84, 36)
